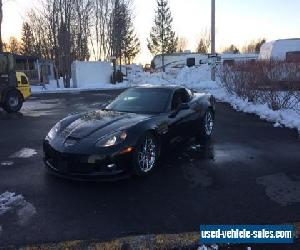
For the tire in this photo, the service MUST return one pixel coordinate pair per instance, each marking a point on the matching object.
(145, 160)
(13, 101)
(206, 127)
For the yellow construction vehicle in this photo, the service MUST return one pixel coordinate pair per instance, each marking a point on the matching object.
(14, 86)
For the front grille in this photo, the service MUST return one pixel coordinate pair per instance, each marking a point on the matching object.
(72, 163)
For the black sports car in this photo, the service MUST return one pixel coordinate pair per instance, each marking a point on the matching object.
(128, 135)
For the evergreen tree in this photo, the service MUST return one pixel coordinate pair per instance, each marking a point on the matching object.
(131, 43)
(162, 37)
(204, 43)
(27, 40)
(259, 44)
(202, 47)
(124, 43)
(118, 29)
(231, 49)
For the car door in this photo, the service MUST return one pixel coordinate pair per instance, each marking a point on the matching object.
(179, 123)
(191, 116)
(23, 85)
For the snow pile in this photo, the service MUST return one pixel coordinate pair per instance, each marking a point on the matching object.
(285, 117)
(197, 78)
(146, 78)
(194, 75)
(7, 201)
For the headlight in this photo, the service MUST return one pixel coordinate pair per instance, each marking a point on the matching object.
(53, 131)
(111, 140)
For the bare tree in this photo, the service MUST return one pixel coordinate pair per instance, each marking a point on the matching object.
(68, 30)
(101, 28)
(231, 49)
(182, 44)
(61, 31)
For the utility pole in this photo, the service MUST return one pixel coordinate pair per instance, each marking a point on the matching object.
(213, 38)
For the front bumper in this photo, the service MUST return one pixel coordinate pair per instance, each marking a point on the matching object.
(87, 167)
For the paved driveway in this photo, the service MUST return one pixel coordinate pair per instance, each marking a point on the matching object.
(249, 174)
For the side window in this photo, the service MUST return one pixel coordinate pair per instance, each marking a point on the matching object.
(176, 101)
(185, 96)
(24, 80)
(179, 97)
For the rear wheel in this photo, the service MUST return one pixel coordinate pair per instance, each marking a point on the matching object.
(146, 155)
(13, 101)
(206, 127)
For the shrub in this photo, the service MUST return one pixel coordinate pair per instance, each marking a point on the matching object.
(276, 83)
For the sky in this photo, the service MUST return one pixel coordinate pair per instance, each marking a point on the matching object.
(237, 21)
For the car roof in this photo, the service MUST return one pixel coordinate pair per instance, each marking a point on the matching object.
(171, 87)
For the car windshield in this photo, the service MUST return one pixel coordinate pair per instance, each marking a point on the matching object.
(142, 100)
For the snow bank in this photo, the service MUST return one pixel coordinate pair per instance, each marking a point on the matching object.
(198, 78)
(285, 117)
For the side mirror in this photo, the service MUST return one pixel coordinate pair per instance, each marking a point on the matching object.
(182, 106)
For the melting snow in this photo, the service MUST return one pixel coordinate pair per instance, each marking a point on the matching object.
(23, 210)
(24, 153)
(281, 189)
(6, 163)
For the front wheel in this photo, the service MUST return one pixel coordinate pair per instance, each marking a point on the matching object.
(206, 127)
(146, 155)
(13, 101)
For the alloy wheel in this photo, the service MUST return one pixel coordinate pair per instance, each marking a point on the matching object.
(209, 123)
(147, 155)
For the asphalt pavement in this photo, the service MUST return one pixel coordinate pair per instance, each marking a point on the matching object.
(248, 174)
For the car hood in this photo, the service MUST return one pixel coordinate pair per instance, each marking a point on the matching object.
(100, 123)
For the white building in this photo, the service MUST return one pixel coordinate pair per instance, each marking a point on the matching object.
(283, 49)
